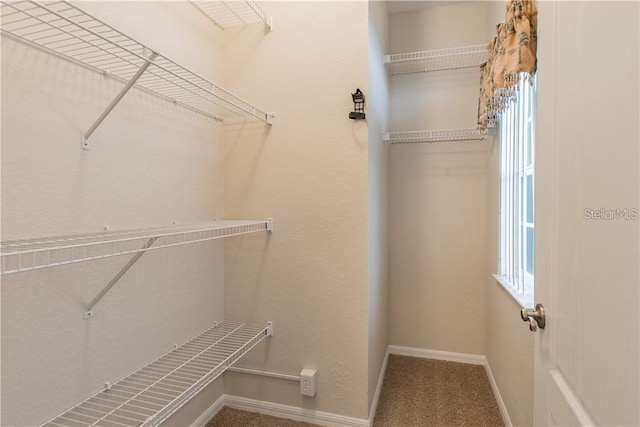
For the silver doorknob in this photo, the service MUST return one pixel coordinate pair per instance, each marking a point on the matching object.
(536, 318)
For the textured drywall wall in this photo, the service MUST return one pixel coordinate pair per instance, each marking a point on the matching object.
(378, 120)
(151, 163)
(308, 172)
(509, 343)
(437, 191)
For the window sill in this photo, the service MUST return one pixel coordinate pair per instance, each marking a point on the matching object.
(524, 300)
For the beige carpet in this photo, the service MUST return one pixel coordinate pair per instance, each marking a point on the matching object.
(229, 417)
(416, 393)
(425, 392)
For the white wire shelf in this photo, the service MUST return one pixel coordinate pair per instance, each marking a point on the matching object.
(154, 392)
(65, 29)
(446, 135)
(435, 60)
(234, 13)
(34, 254)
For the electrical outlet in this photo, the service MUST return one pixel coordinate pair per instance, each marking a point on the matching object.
(308, 382)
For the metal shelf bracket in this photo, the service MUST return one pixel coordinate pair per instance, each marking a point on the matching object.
(88, 312)
(269, 118)
(85, 138)
(269, 328)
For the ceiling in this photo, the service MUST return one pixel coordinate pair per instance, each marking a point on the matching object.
(400, 6)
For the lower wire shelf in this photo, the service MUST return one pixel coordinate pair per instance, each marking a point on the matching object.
(154, 392)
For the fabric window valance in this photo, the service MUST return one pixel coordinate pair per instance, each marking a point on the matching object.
(512, 57)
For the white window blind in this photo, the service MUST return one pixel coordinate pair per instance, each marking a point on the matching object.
(517, 194)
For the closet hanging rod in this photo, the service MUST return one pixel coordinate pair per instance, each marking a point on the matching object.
(233, 14)
(37, 253)
(429, 136)
(437, 60)
(65, 29)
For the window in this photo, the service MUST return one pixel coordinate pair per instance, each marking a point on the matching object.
(517, 194)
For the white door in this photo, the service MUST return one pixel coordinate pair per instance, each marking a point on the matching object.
(587, 226)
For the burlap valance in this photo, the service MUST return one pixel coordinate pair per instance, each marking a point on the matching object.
(512, 56)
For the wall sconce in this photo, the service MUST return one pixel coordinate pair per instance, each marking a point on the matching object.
(358, 106)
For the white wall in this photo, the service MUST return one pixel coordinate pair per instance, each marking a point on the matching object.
(151, 162)
(437, 193)
(310, 173)
(509, 343)
(378, 121)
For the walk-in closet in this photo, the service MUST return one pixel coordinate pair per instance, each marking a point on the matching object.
(220, 208)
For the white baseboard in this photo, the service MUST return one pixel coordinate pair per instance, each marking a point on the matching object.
(496, 394)
(376, 396)
(472, 359)
(210, 412)
(293, 412)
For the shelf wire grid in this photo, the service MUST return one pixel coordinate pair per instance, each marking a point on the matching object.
(37, 253)
(63, 28)
(456, 147)
(154, 392)
(435, 60)
(233, 14)
(447, 135)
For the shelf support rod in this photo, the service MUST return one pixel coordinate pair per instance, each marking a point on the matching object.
(116, 100)
(88, 312)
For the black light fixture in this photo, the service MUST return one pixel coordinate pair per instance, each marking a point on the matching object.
(358, 106)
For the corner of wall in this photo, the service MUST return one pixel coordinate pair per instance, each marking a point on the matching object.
(378, 256)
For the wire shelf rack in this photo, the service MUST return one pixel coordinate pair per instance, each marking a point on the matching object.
(446, 135)
(34, 254)
(154, 392)
(233, 14)
(65, 29)
(435, 60)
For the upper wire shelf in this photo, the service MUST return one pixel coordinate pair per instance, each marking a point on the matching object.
(435, 60)
(34, 254)
(154, 392)
(446, 135)
(233, 14)
(65, 29)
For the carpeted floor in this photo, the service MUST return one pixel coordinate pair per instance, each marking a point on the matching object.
(229, 417)
(416, 392)
(426, 392)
